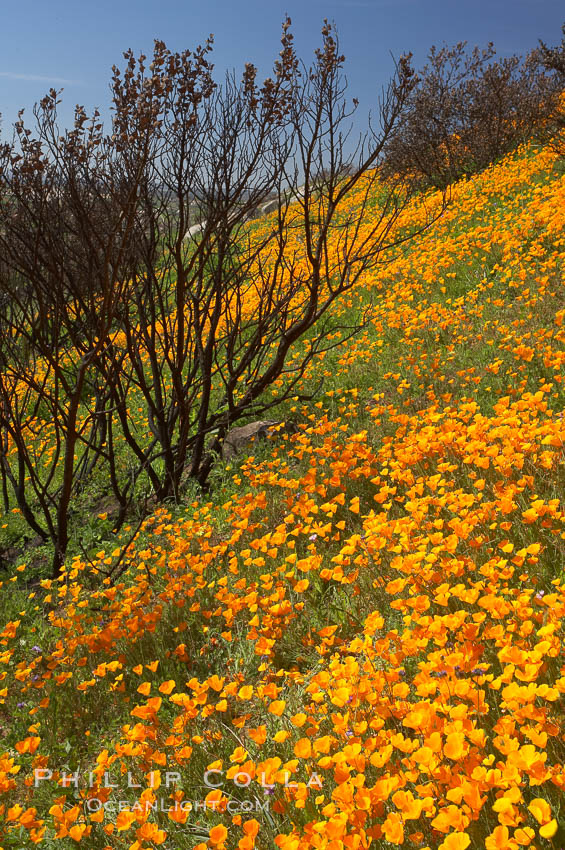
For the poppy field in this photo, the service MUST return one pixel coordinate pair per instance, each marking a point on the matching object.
(355, 639)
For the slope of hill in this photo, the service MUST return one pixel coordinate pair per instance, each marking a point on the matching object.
(358, 641)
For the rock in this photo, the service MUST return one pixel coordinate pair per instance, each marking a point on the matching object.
(195, 230)
(270, 206)
(237, 438)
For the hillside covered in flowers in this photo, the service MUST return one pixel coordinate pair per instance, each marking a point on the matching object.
(356, 639)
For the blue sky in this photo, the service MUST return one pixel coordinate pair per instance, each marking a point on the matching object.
(73, 45)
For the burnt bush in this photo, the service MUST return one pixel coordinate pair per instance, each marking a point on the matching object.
(467, 110)
(111, 305)
(552, 59)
